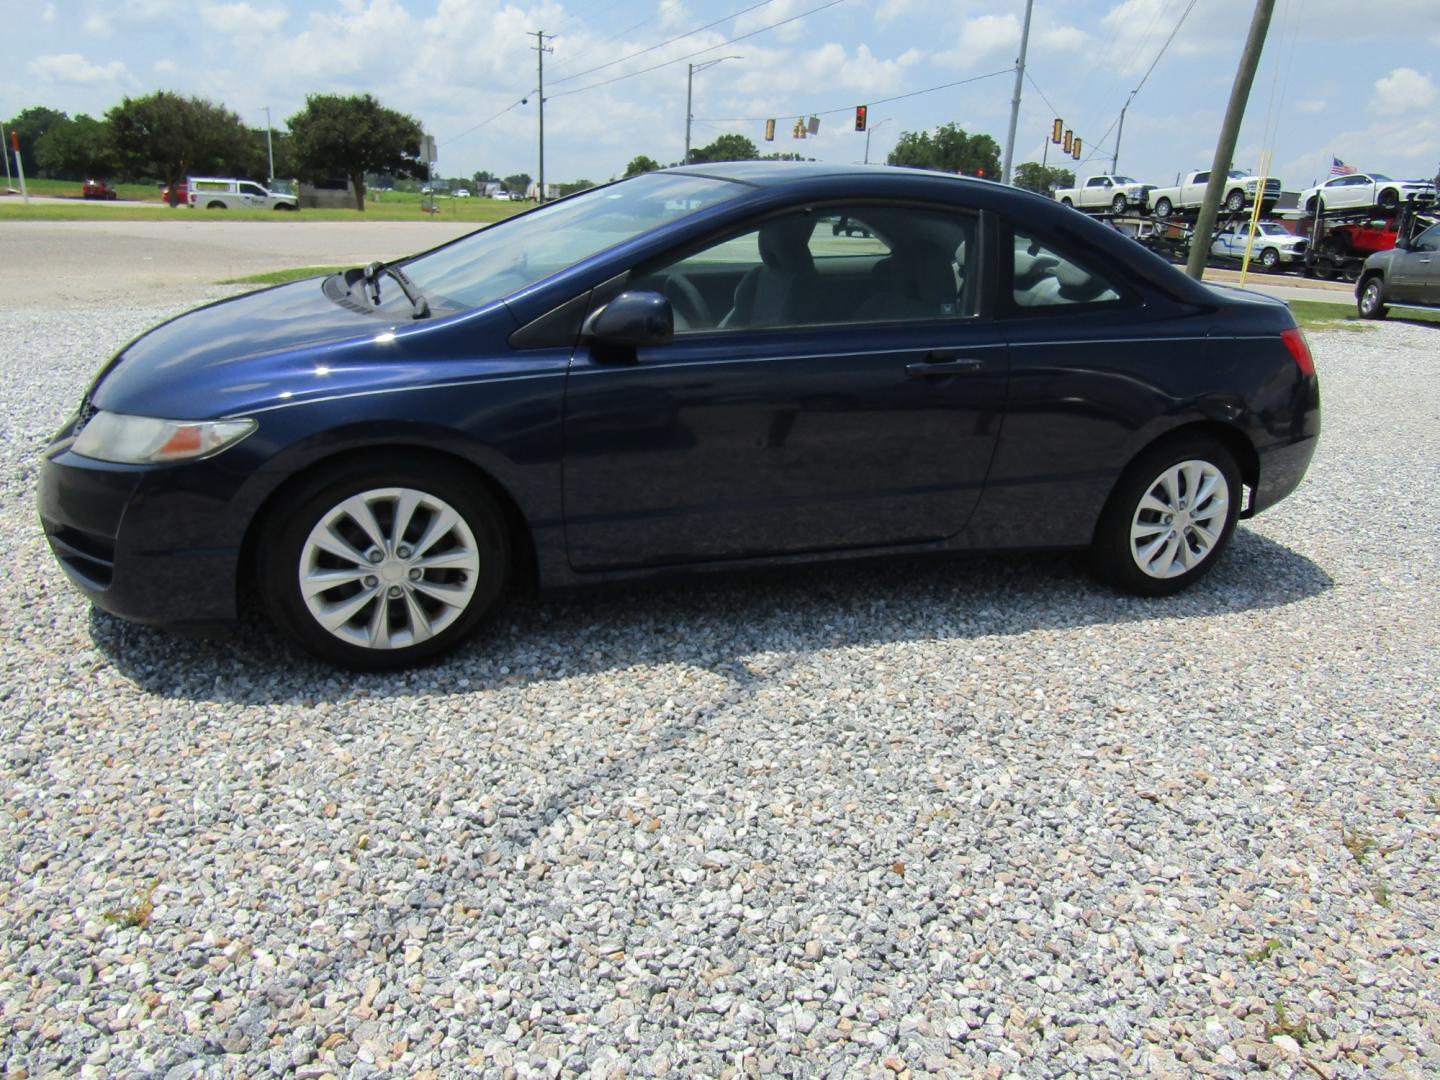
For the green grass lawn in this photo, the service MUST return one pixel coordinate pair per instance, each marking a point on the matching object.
(1320, 315)
(379, 206)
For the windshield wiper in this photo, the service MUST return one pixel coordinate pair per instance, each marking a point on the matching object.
(419, 306)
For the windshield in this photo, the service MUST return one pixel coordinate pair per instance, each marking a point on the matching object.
(1269, 228)
(1378, 176)
(1238, 174)
(505, 258)
(1126, 180)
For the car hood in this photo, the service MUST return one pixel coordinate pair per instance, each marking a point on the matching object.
(195, 348)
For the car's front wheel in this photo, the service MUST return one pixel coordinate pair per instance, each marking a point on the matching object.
(1118, 204)
(381, 564)
(1169, 518)
(1389, 199)
(1235, 201)
(1270, 258)
(1372, 300)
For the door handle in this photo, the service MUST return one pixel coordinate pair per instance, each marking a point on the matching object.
(940, 366)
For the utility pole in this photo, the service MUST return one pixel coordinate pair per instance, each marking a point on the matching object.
(1015, 101)
(1115, 161)
(689, 96)
(1229, 134)
(6, 156)
(269, 146)
(540, 50)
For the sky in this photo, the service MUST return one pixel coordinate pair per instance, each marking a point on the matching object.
(1333, 80)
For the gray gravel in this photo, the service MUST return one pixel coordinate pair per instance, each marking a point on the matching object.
(977, 818)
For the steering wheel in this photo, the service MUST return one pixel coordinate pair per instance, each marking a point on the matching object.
(689, 305)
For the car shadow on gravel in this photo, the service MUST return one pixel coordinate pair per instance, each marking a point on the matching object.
(713, 622)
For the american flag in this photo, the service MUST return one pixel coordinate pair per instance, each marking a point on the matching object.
(1339, 168)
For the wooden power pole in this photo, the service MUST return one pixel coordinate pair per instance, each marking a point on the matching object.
(1229, 133)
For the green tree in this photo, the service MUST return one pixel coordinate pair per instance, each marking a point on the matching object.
(483, 177)
(727, 148)
(641, 164)
(76, 149)
(518, 184)
(574, 186)
(335, 135)
(167, 137)
(1032, 176)
(31, 125)
(950, 150)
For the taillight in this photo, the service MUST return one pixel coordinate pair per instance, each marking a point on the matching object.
(1294, 339)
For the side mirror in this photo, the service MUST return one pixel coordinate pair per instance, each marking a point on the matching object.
(633, 319)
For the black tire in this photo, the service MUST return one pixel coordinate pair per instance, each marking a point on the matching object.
(1164, 208)
(1119, 204)
(1389, 199)
(216, 204)
(1371, 301)
(284, 550)
(1066, 202)
(1311, 204)
(1111, 554)
(1235, 201)
(1270, 258)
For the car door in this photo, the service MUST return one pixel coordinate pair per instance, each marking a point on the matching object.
(1413, 271)
(252, 196)
(1097, 191)
(1193, 193)
(845, 393)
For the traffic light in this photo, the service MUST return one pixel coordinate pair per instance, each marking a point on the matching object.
(1056, 135)
(860, 113)
(1075, 152)
(1069, 139)
(769, 130)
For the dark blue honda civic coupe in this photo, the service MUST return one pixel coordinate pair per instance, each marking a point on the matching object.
(713, 366)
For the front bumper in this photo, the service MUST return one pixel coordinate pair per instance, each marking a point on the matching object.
(149, 544)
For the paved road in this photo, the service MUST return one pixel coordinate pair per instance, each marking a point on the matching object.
(95, 260)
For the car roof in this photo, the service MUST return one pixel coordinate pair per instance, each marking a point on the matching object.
(770, 173)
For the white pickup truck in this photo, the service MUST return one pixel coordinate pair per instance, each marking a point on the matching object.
(1114, 193)
(1239, 192)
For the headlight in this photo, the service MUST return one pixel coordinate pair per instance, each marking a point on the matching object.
(142, 440)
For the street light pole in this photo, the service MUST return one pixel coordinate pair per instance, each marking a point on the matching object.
(1015, 101)
(269, 146)
(690, 97)
(868, 129)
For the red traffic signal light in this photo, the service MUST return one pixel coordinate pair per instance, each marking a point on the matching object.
(861, 113)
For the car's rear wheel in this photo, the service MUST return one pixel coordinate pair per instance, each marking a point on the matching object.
(1118, 204)
(1163, 208)
(1066, 202)
(1169, 518)
(383, 563)
(1372, 300)
(216, 204)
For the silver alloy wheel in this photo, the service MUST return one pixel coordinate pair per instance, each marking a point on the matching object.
(1180, 519)
(1370, 298)
(389, 568)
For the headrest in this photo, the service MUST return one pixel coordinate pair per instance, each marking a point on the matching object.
(785, 243)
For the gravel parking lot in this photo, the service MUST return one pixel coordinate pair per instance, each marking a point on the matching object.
(973, 818)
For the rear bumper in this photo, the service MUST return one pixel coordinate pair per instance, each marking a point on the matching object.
(1282, 467)
(138, 544)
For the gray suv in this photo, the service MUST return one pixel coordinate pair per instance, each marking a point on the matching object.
(1408, 276)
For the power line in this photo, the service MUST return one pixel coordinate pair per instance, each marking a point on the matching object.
(661, 45)
(701, 52)
(849, 108)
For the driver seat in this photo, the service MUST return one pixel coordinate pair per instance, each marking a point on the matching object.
(785, 288)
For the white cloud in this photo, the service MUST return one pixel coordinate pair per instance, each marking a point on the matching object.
(1310, 105)
(74, 68)
(241, 18)
(1401, 91)
(772, 13)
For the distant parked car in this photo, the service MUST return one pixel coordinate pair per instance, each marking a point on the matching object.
(605, 389)
(1359, 191)
(97, 189)
(462, 193)
(503, 196)
(182, 196)
(217, 193)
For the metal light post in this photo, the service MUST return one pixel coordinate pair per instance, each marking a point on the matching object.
(1015, 101)
(870, 128)
(269, 146)
(689, 96)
